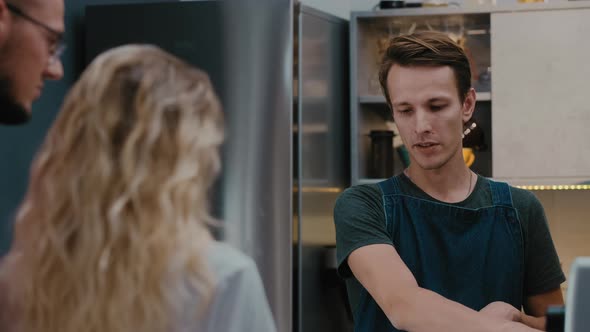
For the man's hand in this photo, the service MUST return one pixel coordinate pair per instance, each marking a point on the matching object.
(506, 312)
(503, 311)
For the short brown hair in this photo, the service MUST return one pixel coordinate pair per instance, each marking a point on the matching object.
(427, 48)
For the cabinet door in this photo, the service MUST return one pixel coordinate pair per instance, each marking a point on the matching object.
(540, 96)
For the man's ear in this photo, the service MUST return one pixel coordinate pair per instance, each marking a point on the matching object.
(468, 105)
(5, 20)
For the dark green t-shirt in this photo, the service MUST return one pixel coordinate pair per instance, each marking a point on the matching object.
(360, 221)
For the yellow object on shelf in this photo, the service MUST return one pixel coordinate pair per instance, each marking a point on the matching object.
(468, 156)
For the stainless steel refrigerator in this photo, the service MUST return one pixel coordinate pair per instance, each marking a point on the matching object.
(281, 70)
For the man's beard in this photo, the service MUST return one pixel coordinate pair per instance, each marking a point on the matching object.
(11, 113)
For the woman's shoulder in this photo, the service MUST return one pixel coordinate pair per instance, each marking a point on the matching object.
(226, 261)
(7, 310)
(240, 302)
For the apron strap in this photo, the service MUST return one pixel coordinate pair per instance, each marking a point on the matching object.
(389, 187)
(501, 193)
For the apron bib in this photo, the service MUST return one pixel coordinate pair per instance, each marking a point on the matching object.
(470, 256)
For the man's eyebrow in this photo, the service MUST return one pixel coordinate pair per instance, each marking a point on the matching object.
(438, 98)
(402, 103)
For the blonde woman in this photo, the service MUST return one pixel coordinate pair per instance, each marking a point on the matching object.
(113, 233)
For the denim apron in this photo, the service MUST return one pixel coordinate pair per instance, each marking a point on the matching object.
(470, 256)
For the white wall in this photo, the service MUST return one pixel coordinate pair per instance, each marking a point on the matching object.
(567, 213)
(362, 5)
(339, 8)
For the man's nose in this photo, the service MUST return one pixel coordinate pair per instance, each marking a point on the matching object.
(422, 122)
(54, 70)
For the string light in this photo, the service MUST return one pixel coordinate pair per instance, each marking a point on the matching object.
(557, 187)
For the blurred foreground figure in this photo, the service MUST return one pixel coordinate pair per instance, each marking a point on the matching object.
(31, 44)
(113, 233)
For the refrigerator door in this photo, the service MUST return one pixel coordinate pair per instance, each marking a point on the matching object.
(258, 180)
(322, 126)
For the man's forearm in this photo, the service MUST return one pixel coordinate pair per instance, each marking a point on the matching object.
(428, 311)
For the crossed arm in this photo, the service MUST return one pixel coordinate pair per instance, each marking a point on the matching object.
(382, 272)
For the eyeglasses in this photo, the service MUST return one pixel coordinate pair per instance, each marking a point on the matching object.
(56, 47)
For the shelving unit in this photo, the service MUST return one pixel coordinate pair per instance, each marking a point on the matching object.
(530, 73)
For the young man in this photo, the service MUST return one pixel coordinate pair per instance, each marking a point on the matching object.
(439, 248)
(30, 45)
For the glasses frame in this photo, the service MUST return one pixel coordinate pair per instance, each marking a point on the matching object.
(56, 49)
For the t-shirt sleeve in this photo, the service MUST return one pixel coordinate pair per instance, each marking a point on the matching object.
(240, 303)
(543, 271)
(360, 221)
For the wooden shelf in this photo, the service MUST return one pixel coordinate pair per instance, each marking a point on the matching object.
(378, 99)
(372, 99)
(368, 181)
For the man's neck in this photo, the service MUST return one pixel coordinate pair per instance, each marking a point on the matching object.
(451, 183)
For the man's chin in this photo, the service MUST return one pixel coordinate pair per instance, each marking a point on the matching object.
(430, 165)
(11, 113)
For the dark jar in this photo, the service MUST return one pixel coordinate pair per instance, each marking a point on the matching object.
(381, 160)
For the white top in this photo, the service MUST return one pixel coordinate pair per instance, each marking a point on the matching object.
(240, 302)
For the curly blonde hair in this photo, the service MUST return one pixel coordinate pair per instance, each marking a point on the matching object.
(113, 228)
